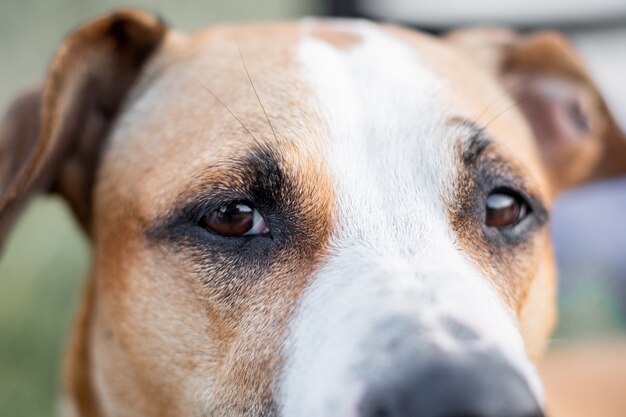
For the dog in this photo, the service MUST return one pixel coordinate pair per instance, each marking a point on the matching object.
(311, 219)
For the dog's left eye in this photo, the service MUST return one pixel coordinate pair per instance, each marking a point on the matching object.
(235, 219)
(505, 208)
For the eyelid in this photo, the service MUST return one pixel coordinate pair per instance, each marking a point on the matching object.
(213, 200)
(516, 192)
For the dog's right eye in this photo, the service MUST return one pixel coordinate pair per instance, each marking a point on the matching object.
(235, 219)
(505, 208)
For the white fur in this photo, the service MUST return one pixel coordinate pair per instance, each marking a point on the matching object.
(393, 250)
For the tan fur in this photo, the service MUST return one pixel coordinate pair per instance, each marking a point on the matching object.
(195, 337)
(586, 380)
(334, 35)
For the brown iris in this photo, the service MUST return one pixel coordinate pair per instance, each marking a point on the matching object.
(233, 219)
(504, 209)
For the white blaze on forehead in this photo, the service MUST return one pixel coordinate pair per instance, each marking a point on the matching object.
(383, 121)
(393, 255)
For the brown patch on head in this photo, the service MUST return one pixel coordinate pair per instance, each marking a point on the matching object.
(196, 320)
(572, 128)
(335, 35)
(250, 285)
(537, 102)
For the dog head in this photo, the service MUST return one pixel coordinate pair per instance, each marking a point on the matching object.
(312, 219)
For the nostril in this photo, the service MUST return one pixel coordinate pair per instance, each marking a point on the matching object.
(380, 412)
(374, 409)
(380, 403)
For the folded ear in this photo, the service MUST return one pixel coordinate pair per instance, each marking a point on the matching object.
(578, 138)
(51, 138)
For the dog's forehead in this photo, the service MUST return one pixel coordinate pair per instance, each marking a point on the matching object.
(353, 92)
(389, 151)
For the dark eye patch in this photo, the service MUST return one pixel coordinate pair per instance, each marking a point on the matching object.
(258, 178)
(484, 172)
(261, 179)
(492, 175)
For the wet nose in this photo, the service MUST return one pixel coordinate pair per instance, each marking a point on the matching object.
(466, 386)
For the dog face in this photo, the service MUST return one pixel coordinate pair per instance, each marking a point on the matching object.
(312, 219)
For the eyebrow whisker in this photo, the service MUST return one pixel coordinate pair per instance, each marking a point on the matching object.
(515, 104)
(500, 96)
(245, 67)
(228, 109)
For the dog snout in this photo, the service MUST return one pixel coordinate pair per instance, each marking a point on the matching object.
(480, 385)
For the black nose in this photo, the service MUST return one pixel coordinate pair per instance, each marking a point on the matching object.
(477, 386)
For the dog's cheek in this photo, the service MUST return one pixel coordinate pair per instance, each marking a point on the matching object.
(537, 314)
(523, 275)
(253, 358)
(216, 329)
(151, 340)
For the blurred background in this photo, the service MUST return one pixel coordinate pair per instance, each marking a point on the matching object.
(46, 259)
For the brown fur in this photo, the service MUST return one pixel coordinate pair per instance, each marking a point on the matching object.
(586, 380)
(227, 329)
(333, 35)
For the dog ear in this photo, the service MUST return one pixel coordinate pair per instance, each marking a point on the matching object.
(578, 138)
(51, 139)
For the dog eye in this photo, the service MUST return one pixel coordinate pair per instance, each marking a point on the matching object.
(235, 219)
(505, 208)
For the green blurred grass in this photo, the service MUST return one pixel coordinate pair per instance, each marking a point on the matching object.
(41, 272)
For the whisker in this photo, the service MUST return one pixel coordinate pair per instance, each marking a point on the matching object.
(245, 67)
(497, 98)
(228, 109)
(517, 103)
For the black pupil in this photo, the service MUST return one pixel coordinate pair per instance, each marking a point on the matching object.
(503, 210)
(232, 219)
